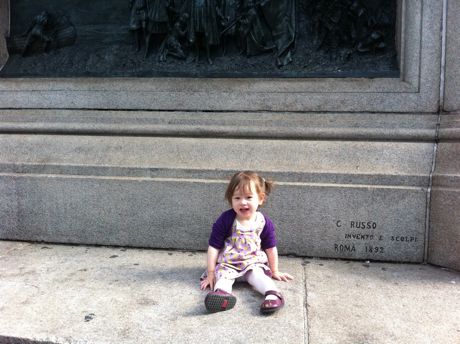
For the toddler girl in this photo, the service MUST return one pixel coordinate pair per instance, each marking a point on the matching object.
(242, 247)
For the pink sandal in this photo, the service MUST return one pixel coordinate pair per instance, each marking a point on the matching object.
(219, 300)
(271, 306)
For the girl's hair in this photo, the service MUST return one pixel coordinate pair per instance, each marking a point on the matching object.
(243, 180)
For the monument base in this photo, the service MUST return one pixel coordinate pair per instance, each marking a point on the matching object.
(353, 158)
(336, 194)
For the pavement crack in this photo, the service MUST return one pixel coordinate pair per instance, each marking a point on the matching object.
(305, 307)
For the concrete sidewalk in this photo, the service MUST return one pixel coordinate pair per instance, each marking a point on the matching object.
(81, 294)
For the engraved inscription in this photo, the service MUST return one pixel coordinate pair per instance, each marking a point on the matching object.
(375, 249)
(364, 237)
(344, 248)
(404, 238)
(363, 224)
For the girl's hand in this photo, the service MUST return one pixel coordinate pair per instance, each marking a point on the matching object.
(209, 281)
(282, 276)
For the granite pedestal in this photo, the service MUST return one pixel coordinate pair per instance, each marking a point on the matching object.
(144, 161)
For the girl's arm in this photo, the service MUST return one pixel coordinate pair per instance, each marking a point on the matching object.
(220, 231)
(211, 262)
(272, 254)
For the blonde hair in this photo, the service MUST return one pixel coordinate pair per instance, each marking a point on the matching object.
(243, 180)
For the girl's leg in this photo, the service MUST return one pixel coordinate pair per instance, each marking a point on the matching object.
(221, 299)
(224, 284)
(261, 282)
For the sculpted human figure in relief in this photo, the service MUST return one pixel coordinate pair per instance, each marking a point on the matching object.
(203, 26)
(280, 16)
(37, 32)
(172, 45)
(138, 20)
(259, 25)
(158, 22)
(254, 33)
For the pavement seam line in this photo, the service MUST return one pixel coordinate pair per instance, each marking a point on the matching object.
(306, 323)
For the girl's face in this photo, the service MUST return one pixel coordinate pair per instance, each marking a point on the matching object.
(245, 202)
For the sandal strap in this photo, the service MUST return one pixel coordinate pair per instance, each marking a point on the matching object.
(222, 291)
(276, 293)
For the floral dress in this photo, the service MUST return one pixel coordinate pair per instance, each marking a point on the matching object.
(242, 251)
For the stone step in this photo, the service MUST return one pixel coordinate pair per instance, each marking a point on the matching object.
(349, 199)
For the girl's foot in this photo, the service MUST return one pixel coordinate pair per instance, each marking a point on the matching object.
(271, 306)
(219, 300)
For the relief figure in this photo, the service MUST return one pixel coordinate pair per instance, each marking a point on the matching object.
(255, 35)
(203, 26)
(46, 32)
(138, 20)
(172, 45)
(38, 32)
(280, 16)
(229, 12)
(158, 20)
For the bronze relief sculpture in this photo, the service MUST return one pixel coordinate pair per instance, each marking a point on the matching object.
(287, 38)
(4, 31)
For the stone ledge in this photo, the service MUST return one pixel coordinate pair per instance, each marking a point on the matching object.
(312, 219)
(448, 158)
(323, 178)
(450, 127)
(223, 101)
(447, 181)
(284, 125)
(345, 199)
(291, 160)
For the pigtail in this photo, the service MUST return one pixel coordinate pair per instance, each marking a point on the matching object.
(267, 185)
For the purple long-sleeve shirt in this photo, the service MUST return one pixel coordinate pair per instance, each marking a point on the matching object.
(222, 229)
